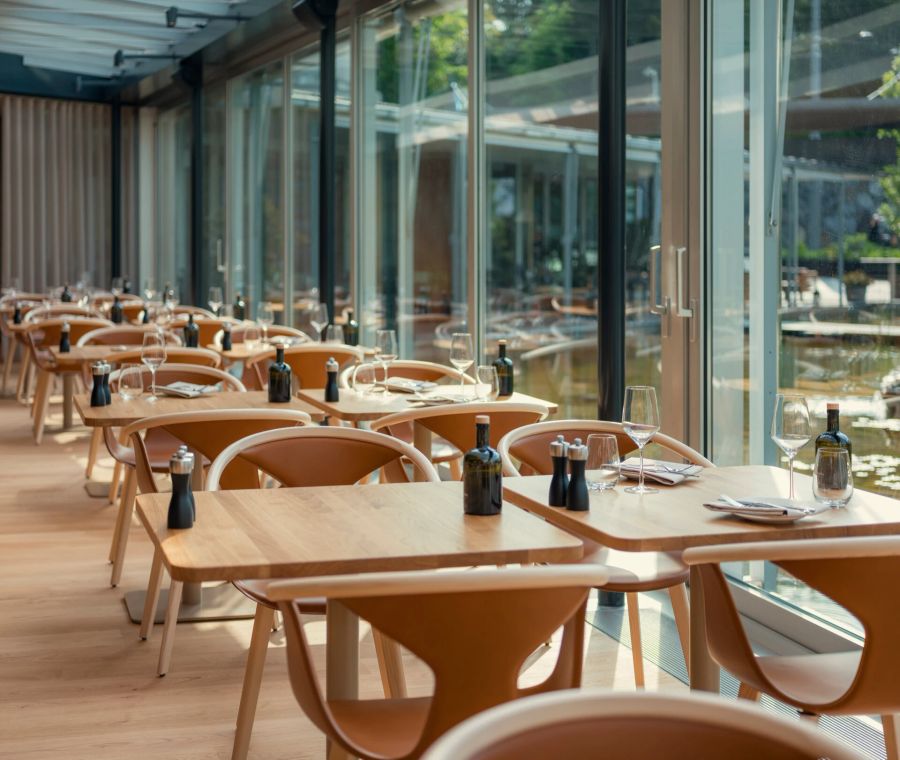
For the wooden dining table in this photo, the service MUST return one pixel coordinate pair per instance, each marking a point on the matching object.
(297, 532)
(69, 364)
(674, 519)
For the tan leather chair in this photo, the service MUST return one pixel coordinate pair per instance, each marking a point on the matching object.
(856, 573)
(273, 331)
(208, 328)
(59, 311)
(584, 725)
(158, 445)
(27, 302)
(307, 363)
(197, 311)
(174, 355)
(629, 572)
(473, 629)
(207, 434)
(40, 337)
(331, 456)
(455, 423)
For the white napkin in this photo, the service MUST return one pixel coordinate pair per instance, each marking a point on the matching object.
(185, 390)
(407, 385)
(434, 400)
(768, 507)
(666, 473)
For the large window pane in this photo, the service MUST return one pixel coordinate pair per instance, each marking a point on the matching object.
(173, 207)
(212, 267)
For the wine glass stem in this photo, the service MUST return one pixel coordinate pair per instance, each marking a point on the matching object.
(153, 381)
(385, 365)
(641, 475)
(791, 466)
(265, 332)
(462, 374)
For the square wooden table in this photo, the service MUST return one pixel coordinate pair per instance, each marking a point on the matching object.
(290, 532)
(674, 519)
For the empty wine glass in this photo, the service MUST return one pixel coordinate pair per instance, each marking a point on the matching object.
(487, 383)
(640, 420)
(131, 381)
(265, 316)
(334, 334)
(215, 300)
(318, 318)
(833, 477)
(251, 337)
(602, 461)
(790, 428)
(462, 355)
(153, 354)
(364, 379)
(386, 349)
(149, 289)
(117, 284)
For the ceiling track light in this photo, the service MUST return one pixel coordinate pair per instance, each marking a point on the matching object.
(120, 57)
(82, 82)
(173, 14)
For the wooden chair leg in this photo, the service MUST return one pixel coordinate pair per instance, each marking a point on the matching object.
(681, 611)
(126, 509)
(390, 665)
(455, 469)
(253, 673)
(747, 692)
(634, 625)
(114, 485)
(152, 598)
(41, 403)
(114, 544)
(168, 637)
(96, 440)
(8, 362)
(23, 381)
(891, 725)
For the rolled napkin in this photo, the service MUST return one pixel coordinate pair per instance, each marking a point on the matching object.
(769, 507)
(419, 401)
(666, 473)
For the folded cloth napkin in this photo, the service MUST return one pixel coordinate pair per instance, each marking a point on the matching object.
(407, 385)
(768, 507)
(419, 401)
(666, 473)
(185, 390)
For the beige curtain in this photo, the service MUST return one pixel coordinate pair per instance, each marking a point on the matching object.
(55, 192)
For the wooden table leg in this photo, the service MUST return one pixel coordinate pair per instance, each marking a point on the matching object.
(422, 441)
(342, 661)
(704, 670)
(68, 394)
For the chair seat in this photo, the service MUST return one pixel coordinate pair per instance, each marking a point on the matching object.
(637, 571)
(385, 727)
(811, 680)
(256, 590)
(160, 447)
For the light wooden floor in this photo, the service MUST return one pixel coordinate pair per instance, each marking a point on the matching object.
(75, 681)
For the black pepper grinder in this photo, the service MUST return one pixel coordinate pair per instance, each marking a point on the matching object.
(559, 484)
(17, 314)
(182, 510)
(331, 384)
(577, 496)
(98, 395)
(64, 345)
(226, 336)
(107, 368)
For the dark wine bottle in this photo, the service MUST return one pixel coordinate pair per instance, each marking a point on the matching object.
(833, 437)
(240, 308)
(577, 498)
(115, 311)
(226, 337)
(279, 378)
(482, 474)
(182, 510)
(559, 483)
(66, 296)
(64, 345)
(351, 330)
(331, 380)
(17, 314)
(504, 367)
(191, 333)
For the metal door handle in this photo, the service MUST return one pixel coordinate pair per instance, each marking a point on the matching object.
(680, 309)
(660, 309)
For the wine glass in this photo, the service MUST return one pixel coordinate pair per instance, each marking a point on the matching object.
(790, 428)
(251, 337)
(640, 420)
(149, 289)
(117, 284)
(462, 355)
(334, 334)
(487, 383)
(364, 378)
(215, 300)
(318, 318)
(602, 461)
(833, 477)
(131, 381)
(153, 354)
(265, 315)
(386, 349)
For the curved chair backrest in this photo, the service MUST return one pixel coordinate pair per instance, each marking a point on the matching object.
(307, 362)
(132, 310)
(60, 310)
(122, 335)
(456, 422)
(197, 311)
(210, 433)
(42, 335)
(414, 370)
(322, 456)
(444, 618)
(531, 444)
(574, 725)
(208, 328)
(237, 332)
(174, 354)
(851, 572)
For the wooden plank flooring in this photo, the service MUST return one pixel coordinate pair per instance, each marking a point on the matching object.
(75, 681)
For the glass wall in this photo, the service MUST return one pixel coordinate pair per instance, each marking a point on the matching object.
(412, 175)
(805, 234)
(173, 200)
(213, 271)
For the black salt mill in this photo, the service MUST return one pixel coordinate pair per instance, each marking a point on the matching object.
(577, 498)
(182, 511)
(331, 385)
(98, 395)
(559, 484)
